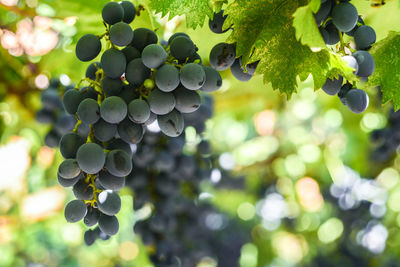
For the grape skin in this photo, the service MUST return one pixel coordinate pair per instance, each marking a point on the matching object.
(364, 37)
(192, 76)
(153, 56)
(118, 163)
(113, 109)
(69, 182)
(109, 224)
(333, 34)
(119, 144)
(121, 34)
(238, 72)
(160, 102)
(129, 11)
(111, 182)
(323, 12)
(88, 47)
(222, 56)
(104, 131)
(113, 62)
(92, 69)
(142, 37)
(182, 47)
(137, 72)
(344, 16)
(187, 101)
(112, 13)
(213, 80)
(332, 87)
(71, 101)
(92, 217)
(217, 23)
(75, 211)
(130, 53)
(69, 145)
(139, 111)
(366, 63)
(88, 111)
(352, 62)
(91, 158)
(69, 169)
(357, 100)
(167, 78)
(109, 202)
(82, 190)
(171, 124)
(111, 86)
(130, 132)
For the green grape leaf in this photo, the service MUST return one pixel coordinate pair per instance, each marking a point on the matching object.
(264, 31)
(386, 54)
(195, 10)
(306, 27)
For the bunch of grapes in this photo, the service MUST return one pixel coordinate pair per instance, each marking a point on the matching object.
(142, 84)
(223, 55)
(387, 140)
(52, 112)
(335, 18)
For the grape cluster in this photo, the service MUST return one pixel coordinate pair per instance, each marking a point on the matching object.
(335, 18)
(223, 55)
(142, 84)
(387, 140)
(52, 112)
(168, 179)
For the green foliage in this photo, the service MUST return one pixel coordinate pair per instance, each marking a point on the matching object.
(387, 65)
(195, 10)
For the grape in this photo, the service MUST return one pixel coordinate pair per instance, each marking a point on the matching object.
(88, 47)
(119, 163)
(167, 78)
(129, 11)
(324, 34)
(164, 162)
(142, 37)
(177, 34)
(45, 116)
(88, 92)
(83, 130)
(128, 93)
(91, 158)
(112, 13)
(69, 169)
(51, 99)
(108, 224)
(361, 22)
(120, 144)
(364, 37)
(113, 62)
(88, 111)
(130, 53)
(137, 72)
(195, 57)
(187, 101)
(222, 56)
(52, 139)
(92, 69)
(82, 190)
(182, 47)
(153, 56)
(113, 109)
(323, 12)
(104, 131)
(352, 62)
(75, 211)
(139, 111)
(151, 119)
(217, 23)
(111, 86)
(343, 91)
(130, 132)
(366, 63)
(332, 32)
(160, 102)
(69, 182)
(69, 144)
(357, 100)
(121, 34)
(171, 124)
(89, 237)
(109, 202)
(71, 101)
(192, 76)
(251, 68)
(332, 87)
(213, 80)
(92, 216)
(238, 72)
(111, 182)
(344, 16)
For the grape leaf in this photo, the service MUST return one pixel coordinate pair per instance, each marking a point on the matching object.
(264, 31)
(386, 54)
(194, 10)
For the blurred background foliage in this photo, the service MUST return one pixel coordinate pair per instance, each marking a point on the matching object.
(308, 189)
